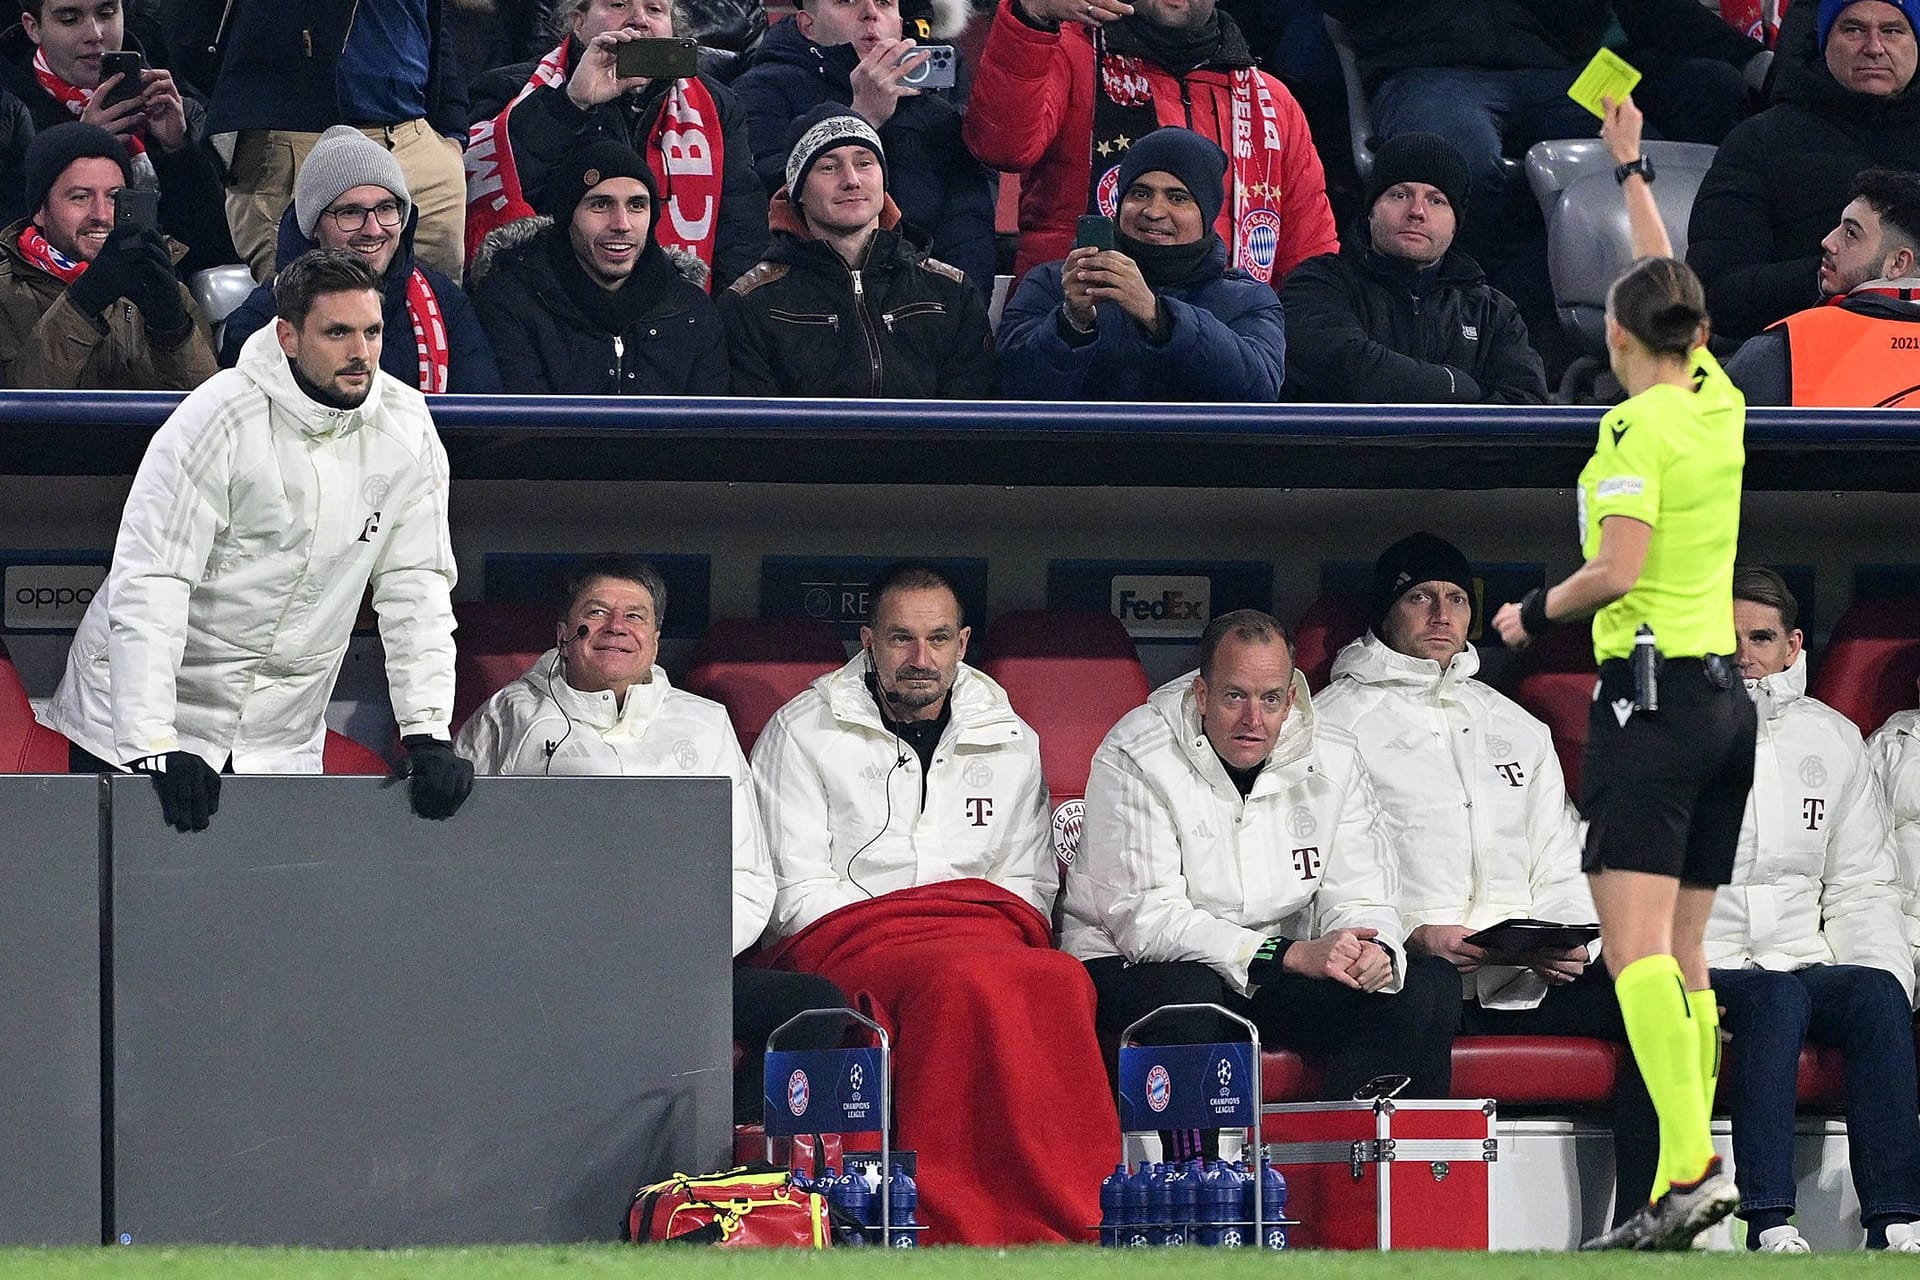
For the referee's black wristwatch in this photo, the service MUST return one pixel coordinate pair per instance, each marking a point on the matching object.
(1642, 166)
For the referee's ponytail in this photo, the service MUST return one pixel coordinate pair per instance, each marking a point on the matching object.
(1662, 304)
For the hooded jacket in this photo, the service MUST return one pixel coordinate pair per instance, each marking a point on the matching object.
(1226, 342)
(47, 342)
(803, 323)
(542, 725)
(939, 185)
(672, 345)
(1814, 881)
(1175, 865)
(1363, 327)
(1894, 750)
(841, 799)
(470, 364)
(1779, 181)
(1472, 793)
(256, 522)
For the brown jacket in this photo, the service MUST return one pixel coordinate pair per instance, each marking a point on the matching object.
(46, 342)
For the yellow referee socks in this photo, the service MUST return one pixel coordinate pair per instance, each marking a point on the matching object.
(1706, 1020)
(1667, 1045)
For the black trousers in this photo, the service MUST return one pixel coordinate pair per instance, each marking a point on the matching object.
(1588, 1007)
(762, 1000)
(1360, 1036)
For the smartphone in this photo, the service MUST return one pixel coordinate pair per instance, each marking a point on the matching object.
(1093, 231)
(657, 58)
(128, 64)
(937, 72)
(137, 208)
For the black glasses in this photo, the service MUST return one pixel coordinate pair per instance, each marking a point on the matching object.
(352, 217)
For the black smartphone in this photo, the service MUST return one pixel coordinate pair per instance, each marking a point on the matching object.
(137, 208)
(669, 58)
(127, 64)
(1093, 231)
(942, 65)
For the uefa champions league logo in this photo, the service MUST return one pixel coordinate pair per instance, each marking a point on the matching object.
(854, 1077)
(1224, 1073)
(799, 1093)
(1159, 1088)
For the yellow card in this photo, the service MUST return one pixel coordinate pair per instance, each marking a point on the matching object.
(1607, 76)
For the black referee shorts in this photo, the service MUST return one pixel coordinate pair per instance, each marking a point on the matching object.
(1665, 791)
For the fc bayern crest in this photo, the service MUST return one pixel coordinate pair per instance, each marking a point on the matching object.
(1159, 1088)
(1259, 243)
(799, 1093)
(1106, 192)
(1066, 829)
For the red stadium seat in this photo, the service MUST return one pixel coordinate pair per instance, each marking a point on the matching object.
(1070, 675)
(1533, 1071)
(1872, 661)
(494, 644)
(1328, 626)
(755, 666)
(344, 755)
(26, 746)
(1555, 677)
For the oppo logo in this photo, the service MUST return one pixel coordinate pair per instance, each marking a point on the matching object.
(50, 597)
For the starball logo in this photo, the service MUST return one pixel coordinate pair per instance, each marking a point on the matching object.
(50, 597)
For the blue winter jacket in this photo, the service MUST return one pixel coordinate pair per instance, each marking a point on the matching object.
(1227, 343)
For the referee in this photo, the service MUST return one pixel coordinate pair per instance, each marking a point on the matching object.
(1670, 738)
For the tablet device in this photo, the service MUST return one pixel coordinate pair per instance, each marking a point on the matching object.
(1527, 937)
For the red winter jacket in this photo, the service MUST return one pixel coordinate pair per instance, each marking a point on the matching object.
(1031, 112)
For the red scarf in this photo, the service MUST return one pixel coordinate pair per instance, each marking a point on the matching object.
(1875, 291)
(429, 333)
(684, 149)
(49, 259)
(74, 97)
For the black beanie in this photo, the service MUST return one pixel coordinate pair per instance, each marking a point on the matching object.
(1416, 558)
(1421, 157)
(52, 150)
(586, 167)
(823, 129)
(1197, 161)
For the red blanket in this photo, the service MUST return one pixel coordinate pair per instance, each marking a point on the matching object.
(998, 1083)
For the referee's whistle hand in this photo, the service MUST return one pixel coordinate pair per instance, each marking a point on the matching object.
(1507, 623)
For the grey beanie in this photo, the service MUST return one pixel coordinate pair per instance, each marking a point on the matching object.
(819, 131)
(343, 159)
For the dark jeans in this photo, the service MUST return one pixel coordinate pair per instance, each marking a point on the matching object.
(1587, 1006)
(1361, 1036)
(1864, 1013)
(762, 1000)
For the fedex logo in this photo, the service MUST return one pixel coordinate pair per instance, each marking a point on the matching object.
(1162, 605)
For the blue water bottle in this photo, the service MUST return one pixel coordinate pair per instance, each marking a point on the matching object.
(1215, 1204)
(903, 1199)
(853, 1198)
(1112, 1214)
(1135, 1199)
(1157, 1206)
(1273, 1204)
(1183, 1191)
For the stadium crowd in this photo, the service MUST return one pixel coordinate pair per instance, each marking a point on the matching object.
(778, 210)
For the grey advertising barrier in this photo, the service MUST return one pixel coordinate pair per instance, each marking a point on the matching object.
(337, 1024)
(50, 1010)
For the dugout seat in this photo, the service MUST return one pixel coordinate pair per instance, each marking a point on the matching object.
(342, 755)
(755, 666)
(26, 745)
(1872, 662)
(1071, 676)
(1328, 626)
(494, 644)
(1553, 679)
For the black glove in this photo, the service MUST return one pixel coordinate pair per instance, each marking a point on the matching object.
(441, 779)
(119, 272)
(189, 788)
(1269, 962)
(157, 293)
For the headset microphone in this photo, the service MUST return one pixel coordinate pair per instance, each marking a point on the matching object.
(579, 634)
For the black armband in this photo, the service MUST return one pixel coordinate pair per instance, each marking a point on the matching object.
(1533, 612)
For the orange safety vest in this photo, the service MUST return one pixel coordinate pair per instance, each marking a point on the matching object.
(1844, 360)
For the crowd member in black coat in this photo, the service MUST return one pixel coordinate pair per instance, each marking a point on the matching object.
(433, 338)
(844, 304)
(583, 301)
(832, 51)
(712, 201)
(1843, 102)
(16, 131)
(161, 128)
(1400, 314)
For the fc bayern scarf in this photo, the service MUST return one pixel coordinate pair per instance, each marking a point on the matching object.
(35, 248)
(429, 333)
(684, 148)
(74, 98)
(1124, 108)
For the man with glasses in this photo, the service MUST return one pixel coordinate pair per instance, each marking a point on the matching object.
(352, 195)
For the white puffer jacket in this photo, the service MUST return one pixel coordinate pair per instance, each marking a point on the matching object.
(1473, 795)
(544, 726)
(1814, 882)
(1894, 750)
(841, 799)
(1175, 865)
(256, 520)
